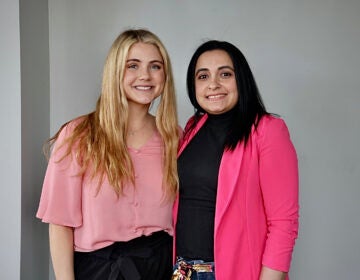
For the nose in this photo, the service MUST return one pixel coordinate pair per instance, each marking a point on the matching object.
(144, 73)
(213, 84)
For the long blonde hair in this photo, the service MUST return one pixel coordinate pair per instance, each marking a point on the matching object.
(100, 136)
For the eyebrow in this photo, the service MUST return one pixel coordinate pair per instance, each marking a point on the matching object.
(220, 68)
(138, 60)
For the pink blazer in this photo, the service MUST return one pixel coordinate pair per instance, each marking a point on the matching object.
(256, 217)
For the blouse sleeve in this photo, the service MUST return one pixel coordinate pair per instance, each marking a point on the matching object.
(60, 201)
(279, 185)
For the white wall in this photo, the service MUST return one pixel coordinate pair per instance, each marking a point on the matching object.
(10, 141)
(304, 55)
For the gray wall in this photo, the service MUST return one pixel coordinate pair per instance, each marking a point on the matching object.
(304, 55)
(35, 123)
(25, 124)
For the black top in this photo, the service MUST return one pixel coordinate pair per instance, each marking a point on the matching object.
(198, 168)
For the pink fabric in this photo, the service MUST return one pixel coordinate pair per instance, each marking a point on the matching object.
(256, 219)
(101, 219)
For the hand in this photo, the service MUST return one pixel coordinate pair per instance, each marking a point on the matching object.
(271, 274)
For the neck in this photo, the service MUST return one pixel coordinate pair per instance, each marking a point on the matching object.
(137, 112)
(224, 116)
(138, 119)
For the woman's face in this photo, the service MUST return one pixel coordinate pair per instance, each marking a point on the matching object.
(215, 84)
(144, 75)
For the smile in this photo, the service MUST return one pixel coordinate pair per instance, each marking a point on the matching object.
(217, 96)
(143, 87)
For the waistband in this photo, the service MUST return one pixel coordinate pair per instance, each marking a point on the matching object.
(121, 253)
(138, 247)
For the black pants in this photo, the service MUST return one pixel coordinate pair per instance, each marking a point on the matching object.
(146, 257)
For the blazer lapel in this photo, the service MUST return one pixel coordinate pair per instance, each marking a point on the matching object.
(185, 142)
(229, 172)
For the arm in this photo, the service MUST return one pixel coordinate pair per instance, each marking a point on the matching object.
(60, 205)
(62, 251)
(270, 274)
(279, 186)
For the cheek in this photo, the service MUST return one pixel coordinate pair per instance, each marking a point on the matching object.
(160, 79)
(233, 88)
(198, 89)
(236, 96)
(161, 75)
(163, 79)
(197, 93)
(127, 77)
(197, 98)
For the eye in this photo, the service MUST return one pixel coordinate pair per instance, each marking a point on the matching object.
(132, 66)
(226, 74)
(155, 67)
(202, 76)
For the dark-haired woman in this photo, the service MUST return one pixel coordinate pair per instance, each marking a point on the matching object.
(237, 212)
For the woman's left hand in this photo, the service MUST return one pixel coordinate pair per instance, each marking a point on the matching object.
(271, 274)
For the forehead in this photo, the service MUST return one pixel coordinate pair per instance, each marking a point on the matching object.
(214, 59)
(144, 51)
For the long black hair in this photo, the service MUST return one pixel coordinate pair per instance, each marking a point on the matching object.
(249, 109)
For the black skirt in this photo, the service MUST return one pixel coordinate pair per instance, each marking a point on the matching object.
(146, 257)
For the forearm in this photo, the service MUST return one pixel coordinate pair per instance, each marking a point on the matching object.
(271, 274)
(62, 251)
(280, 193)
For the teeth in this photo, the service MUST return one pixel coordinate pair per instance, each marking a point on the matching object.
(215, 96)
(143, 87)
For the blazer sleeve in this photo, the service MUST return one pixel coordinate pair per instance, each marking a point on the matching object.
(60, 201)
(278, 170)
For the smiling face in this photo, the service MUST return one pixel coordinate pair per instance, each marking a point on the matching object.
(144, 75)
(215, 84)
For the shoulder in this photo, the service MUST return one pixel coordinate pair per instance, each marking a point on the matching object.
(271, 121)
(271, 124)
(271, 129)
(67, 129)
(65, 139)
(195, 122)
(191, 121)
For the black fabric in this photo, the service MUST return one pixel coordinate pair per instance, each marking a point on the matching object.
(198, 168)
(147, 258)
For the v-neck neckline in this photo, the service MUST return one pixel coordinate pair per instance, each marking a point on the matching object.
(150, 139)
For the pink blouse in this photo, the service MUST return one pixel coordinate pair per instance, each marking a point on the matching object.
(100, 219)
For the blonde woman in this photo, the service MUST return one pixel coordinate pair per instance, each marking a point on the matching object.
(111, 179)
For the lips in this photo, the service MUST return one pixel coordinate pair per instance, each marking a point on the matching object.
(216, 96)
(143, 87)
